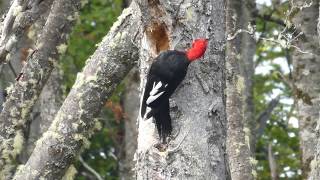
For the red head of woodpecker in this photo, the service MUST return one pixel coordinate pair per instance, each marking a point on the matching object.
(165, 74)
(199, 47)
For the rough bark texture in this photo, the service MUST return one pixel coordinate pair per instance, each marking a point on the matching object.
(315, 163)
(237, 145)
(44, 111)
(50, 99)
(307, 79)
(130, 105)
(197, 145)
(21, 15)
(73, 124)
(34, 76)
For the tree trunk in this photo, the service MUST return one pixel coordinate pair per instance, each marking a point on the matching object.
(307, 79)
(130, 103)
(237, 141)
(197, 147)
(246, 68)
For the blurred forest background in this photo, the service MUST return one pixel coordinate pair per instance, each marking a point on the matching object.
(110, 153)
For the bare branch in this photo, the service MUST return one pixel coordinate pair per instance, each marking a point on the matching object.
(34, 76)
(74, 122)
(265, 116)
(90, 169)
(268, 17)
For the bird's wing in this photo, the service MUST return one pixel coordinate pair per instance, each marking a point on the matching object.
(158, 89)
(154, 93)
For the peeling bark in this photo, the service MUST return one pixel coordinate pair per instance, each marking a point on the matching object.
(34, 76)
(306, 76)
(237, 141)
(197, 145)
(75, 120)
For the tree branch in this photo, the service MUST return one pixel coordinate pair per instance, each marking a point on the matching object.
(74, 122)
(265, 115)
(272, 163)
(34, 76)
(90, 169)
(269, 18)
(19, 17)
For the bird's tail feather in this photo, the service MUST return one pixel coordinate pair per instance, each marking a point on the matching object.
(163, 121)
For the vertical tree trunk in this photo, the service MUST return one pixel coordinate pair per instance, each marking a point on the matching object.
(246, 67)
(237, 141)
(197, 148)
(307, 79)
(131, 109)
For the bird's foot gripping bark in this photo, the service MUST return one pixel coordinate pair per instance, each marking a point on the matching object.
(161, 146)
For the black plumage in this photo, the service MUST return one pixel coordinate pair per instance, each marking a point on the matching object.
(165, 74)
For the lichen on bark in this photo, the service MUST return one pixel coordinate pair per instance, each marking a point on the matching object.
(73, 125)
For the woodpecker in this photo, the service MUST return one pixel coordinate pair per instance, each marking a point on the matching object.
(165, 74)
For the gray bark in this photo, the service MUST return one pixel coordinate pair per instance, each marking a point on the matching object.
(131, 109)
(44, 112)
(196, 150)
(306, 76)
(246, 68)
(34, 76)
(315, 165)
(237, 141)
(49, 100)
(74, 122)
(21, 15)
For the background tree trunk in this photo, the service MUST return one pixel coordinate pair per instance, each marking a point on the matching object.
(307, 79)
(246, 68)
(238, 145)
(197, 107)
(130, 103)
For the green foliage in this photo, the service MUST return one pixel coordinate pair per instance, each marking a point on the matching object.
(94, 22)
(272, 65)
